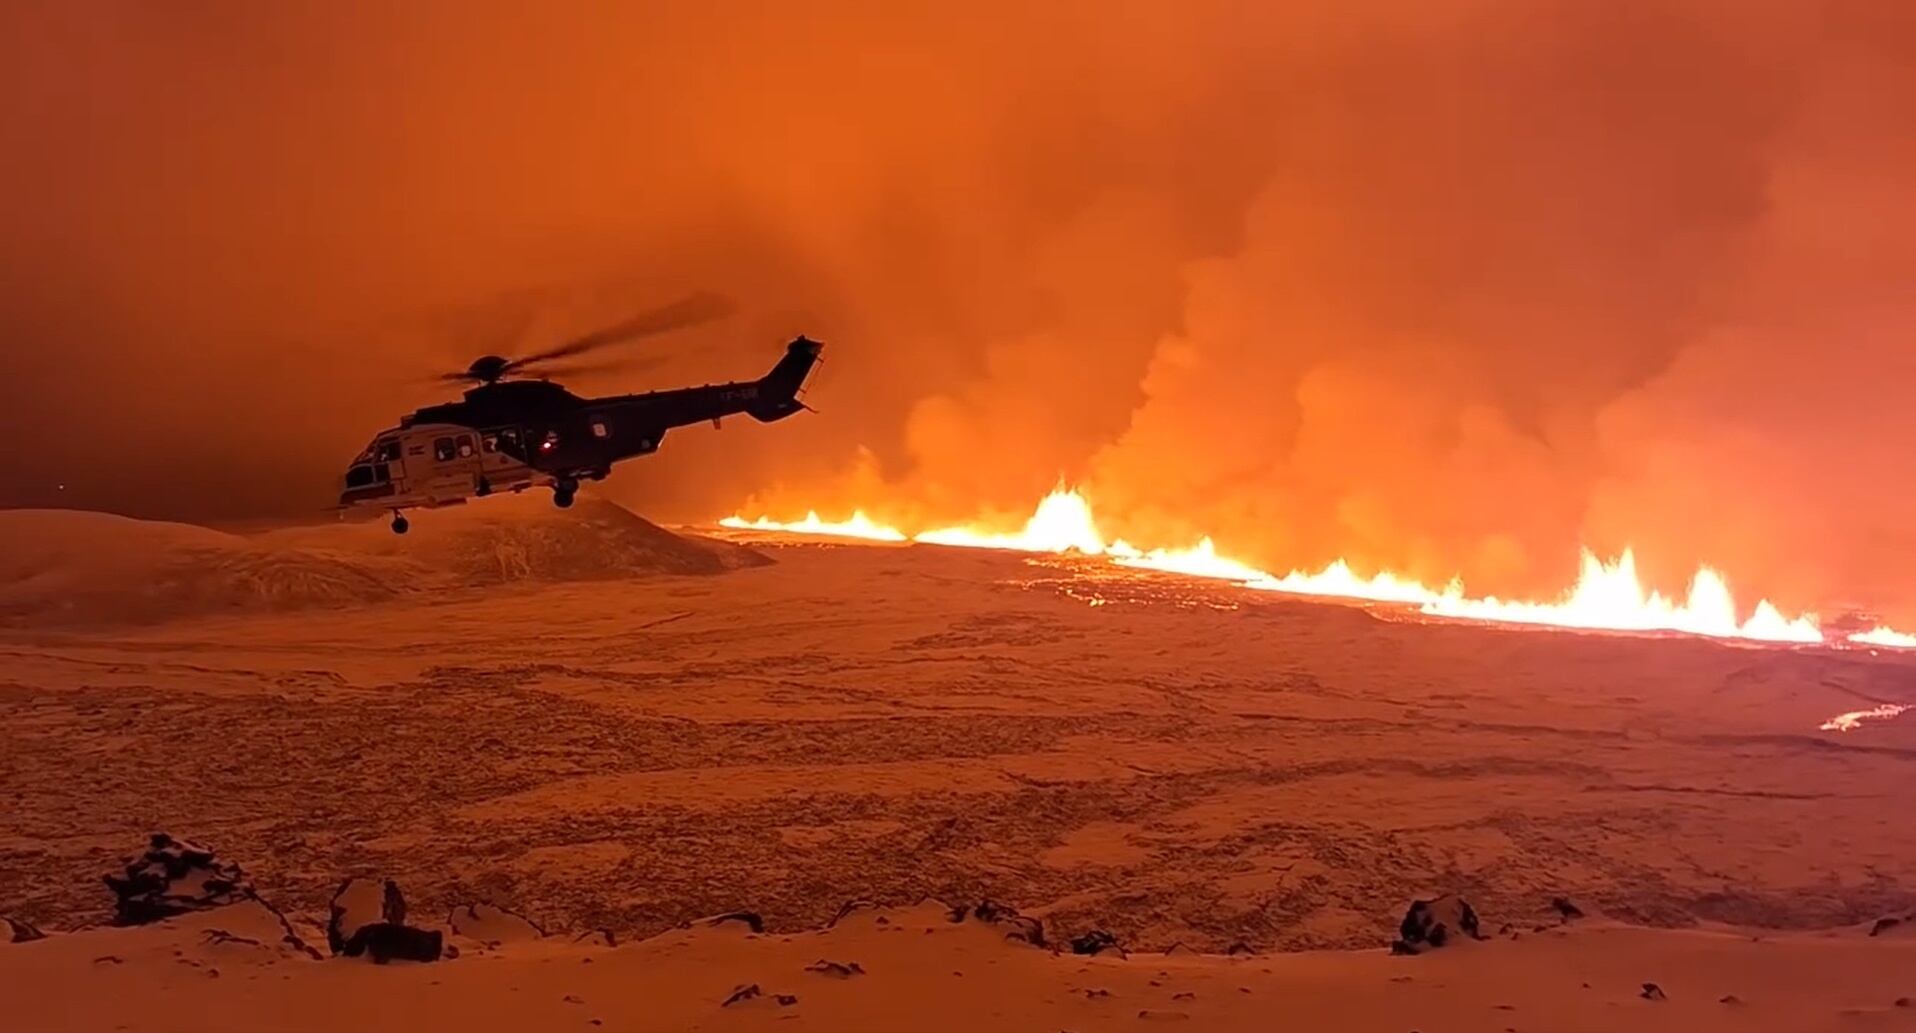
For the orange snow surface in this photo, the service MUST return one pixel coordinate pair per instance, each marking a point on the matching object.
(601, 724)
(916, 970)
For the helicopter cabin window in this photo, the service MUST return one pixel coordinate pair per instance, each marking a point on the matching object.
(442, 450)
(465, 446)
(386, 451)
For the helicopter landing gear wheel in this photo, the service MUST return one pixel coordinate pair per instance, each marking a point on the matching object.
(563, 491)
(483, 488)
(400, 524)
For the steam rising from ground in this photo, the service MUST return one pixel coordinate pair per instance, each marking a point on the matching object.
(1444, 289)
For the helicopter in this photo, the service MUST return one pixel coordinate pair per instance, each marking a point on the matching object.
(515, 429)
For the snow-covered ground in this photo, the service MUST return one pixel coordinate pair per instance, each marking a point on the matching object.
(1175, 762)
(916, 970)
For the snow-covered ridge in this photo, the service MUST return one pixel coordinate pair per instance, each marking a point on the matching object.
(70, 567)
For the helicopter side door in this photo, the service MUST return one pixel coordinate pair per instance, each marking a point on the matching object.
(500, 459)
(442, 464)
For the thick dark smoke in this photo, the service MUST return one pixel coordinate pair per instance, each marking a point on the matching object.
(1448, 287)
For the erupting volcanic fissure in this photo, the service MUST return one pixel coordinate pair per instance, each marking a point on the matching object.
(1607, 596)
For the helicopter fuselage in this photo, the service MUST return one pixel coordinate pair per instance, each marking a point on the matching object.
(517, 434)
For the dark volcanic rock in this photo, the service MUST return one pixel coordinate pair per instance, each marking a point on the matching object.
(356, 904)
(1097, 941)
(1434, 923)
(1652, 992)
(1565, 909)
(848, 909)
(1885, 924)
(173, 877)
(369, 918)
(836, 969)
(387, 941)
(745, 992)
(19, 931)
(748, 919)
(1018, 927)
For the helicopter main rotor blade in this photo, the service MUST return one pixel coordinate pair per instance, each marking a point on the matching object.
(689, 311)
(587, 369)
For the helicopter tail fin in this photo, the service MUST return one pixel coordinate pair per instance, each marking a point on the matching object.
(779, 389)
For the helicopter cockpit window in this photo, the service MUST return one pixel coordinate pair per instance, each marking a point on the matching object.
(442, 450)
(465, 446)
(359, 477)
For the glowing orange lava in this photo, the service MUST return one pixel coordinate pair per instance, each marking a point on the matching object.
(1606, 597)
(1061, 523)
(1884, 636)
(859, 526)
(1610, 596)
(1854, 719)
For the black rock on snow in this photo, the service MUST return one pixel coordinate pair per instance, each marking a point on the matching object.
(173, 877)
(368, 918)
(1430, 924)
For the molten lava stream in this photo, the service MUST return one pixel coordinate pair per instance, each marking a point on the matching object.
(1606, 596)
(859, 526)
(1883, 635)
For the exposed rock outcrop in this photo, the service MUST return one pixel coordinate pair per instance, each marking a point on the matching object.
(848, 909)
(746, 993)
(1017, 927)
(172, 877)
(836, 969)
(1566, 911)
(1097, 941)
(748, 919)
(368, 918)
(20, 931)
(1894, 925)
(1430, 924)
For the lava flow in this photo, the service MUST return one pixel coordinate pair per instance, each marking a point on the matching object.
(859, 526)
(1607, 596)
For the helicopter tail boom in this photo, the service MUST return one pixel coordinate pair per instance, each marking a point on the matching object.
(778, 390)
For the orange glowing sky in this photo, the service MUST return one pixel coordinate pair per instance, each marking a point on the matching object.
(1449, 289)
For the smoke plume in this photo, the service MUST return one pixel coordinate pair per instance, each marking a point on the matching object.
(1449, 288)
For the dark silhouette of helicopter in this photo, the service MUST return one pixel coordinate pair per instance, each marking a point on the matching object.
(510, 434)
